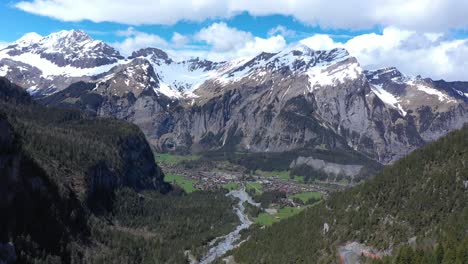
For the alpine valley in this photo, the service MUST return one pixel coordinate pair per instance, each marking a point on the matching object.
(297, 99)
(300, 156)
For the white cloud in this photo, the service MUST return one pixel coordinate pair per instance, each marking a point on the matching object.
(427, 54)
(132, 12)
(321, 42)
(226, 42)
(136, 40)
(424, 15)
(179, 40)
(223, 38)
(282, 30)
(216, 42)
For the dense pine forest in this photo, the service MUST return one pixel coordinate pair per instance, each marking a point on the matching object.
(81, 190)
(417, 209)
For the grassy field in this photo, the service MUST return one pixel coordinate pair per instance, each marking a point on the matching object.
(254, 186)
(171, 159)
(183, 182)
(231, 186)
(280, 174)
(283, 213)
(306, 196)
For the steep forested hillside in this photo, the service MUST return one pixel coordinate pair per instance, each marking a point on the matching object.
(57, 165)
(416, 208)
(80, 190)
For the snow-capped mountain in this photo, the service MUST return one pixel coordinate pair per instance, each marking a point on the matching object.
(296, 99)
(410, 92)
(54, 62)
(65, 48)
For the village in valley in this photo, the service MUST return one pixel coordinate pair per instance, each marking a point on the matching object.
(285, 196)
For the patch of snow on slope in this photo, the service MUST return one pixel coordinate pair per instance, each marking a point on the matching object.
(177, 76)
(460, 93)
(28, 39)
(324, 76)
(4, 70)
(387, 98)
(32, 90)
(167, 91)
(228, 73)
(431, 91)
(288, 56)
(48, 68)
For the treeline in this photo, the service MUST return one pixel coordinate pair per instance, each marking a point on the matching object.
(149, 227)
(422, 196)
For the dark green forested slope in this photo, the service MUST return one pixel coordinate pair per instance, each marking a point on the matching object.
(80, 190)
(424, 195)
(148, 227)
(56, 166)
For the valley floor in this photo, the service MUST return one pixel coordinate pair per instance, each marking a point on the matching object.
(262, 197)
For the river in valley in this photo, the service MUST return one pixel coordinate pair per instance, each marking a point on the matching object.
(223, 244)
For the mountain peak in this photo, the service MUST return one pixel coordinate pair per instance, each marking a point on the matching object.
(302, 50)
(298, 49)
(28, 39)
(154, 53)
(69, 38)
(385, 74)
(386, 70)
(64, 48)
(305, 49)
(70, 33)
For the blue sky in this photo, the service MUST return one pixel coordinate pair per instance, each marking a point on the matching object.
(427, 37)
(25, 22)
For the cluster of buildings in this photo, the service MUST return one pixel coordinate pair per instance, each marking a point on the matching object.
(214, 180)
(288, 187)
(207, 180)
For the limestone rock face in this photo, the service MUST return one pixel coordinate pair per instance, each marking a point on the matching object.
(274, 102)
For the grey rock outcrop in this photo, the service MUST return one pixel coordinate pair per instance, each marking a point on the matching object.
(296, 99)
(327, 167)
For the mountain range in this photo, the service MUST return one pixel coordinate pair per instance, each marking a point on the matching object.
(298, 101)
(90, 183)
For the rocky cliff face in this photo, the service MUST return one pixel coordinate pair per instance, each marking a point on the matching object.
(118, 158)
(298, 98)
(56, 166)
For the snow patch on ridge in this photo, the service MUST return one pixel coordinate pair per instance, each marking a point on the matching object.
(431, 91)
(50, 69)
(167, 91)
(460, 93)
(4, 70)
(324, 76)
(181, 79)
(387, 98)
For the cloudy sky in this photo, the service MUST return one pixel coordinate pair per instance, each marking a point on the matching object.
(420, 37)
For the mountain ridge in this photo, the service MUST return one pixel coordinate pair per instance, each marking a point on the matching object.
(269, 103)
